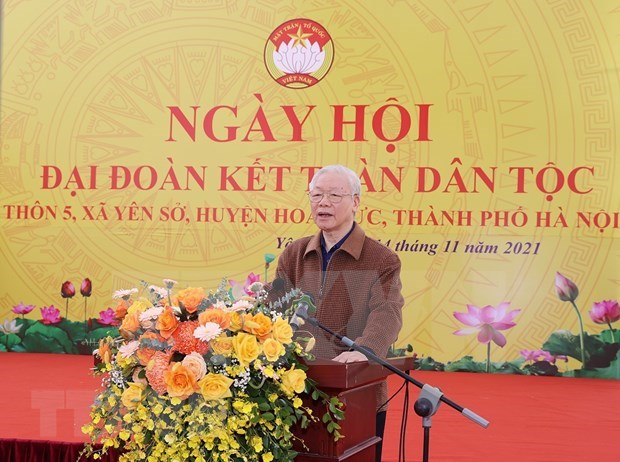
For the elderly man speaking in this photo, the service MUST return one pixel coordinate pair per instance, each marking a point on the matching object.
(354, 279)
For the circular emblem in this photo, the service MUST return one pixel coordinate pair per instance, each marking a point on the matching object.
(299, 53)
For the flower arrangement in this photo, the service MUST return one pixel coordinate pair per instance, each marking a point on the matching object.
(200, 376)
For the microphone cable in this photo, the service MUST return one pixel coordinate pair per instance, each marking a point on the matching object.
(402, 441)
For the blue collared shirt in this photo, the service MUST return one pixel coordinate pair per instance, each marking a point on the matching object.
(327, 254)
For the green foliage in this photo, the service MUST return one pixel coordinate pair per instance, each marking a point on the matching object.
(598, 353)
(541, 368)
(333, 409)
(394, 352)
(47, 339)
(9, 341)
(428, 364)
(71, 337)
(602, 353)
(465, 364)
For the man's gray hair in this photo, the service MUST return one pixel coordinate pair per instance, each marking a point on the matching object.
(350, 175)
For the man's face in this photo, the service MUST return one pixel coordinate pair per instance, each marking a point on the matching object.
(336, 215)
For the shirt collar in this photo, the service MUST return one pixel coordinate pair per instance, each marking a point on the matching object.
(352, 245)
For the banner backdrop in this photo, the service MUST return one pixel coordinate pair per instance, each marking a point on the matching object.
(154, 139)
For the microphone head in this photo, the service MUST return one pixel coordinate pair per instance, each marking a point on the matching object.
(307, 303)
(278, 284)
(302, 310)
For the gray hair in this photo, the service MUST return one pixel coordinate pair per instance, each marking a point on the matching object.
(350, 175)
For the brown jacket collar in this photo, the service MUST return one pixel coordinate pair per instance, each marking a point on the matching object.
(353, 245)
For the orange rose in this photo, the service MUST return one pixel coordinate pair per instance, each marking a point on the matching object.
(180, 381)
(282, 331)
(144, 353)
(259, 325)
(129, 326)
(216, 315)
(104, 352)
(121, 309)
(167, 322)
(222, 345)
(190, 298)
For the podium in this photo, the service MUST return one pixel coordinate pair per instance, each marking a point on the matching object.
(356, 385)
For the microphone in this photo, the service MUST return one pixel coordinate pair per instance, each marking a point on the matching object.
(277, 285)
(299, 316)
(433, 395)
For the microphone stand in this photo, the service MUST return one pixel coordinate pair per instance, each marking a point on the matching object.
(430, 397)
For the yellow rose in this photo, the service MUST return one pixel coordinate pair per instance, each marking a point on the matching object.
(246, 348)
(259, 325)
(140, 305)
(180, 381)
(236, 321)
(132, 395)
(215, 386)
(222, 345)
(272, 349)
(282, 331)
(293, 381)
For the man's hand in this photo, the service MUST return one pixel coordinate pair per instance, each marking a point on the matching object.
(350, 357)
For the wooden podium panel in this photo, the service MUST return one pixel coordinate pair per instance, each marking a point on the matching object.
(355, 384)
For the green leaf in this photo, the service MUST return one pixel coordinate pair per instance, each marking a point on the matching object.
(610, 336)
(611, 372)
(598, 354)
(508, 367)
(19, 348)
(41, 338)
(76, 330)
(24, 324)
(541, 368)
(466, 364)
(268, 416)
(429, 364)
(8, 341)
(264, 406)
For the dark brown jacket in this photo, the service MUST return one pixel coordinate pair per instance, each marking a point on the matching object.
(359, 296)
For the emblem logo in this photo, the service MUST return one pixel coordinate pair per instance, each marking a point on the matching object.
(299, 53)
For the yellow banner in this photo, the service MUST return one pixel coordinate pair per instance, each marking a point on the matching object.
(175, 139)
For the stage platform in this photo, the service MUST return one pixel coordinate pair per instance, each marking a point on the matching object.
(45, 398)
